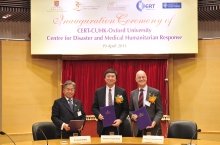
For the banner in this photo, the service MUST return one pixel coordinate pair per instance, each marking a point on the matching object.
(114, 27)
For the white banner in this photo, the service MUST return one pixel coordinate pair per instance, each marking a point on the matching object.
(114, 27)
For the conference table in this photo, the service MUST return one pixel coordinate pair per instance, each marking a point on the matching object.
(125, 141)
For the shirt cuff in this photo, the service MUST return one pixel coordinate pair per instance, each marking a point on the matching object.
(62, 126)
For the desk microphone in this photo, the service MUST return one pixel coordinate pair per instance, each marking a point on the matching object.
(157, 131)
(118, 130)
(40, 130)
(79, 132)
(198, 130)
(3, 133)
(61, 137)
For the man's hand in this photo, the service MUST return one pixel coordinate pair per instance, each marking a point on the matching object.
(134, 117)
(100, 117)
(66, 127)
(152, 125)
(117, 122)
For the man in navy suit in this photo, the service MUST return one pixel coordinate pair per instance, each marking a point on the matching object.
(151, 101)
(101, 99)
(65, 109)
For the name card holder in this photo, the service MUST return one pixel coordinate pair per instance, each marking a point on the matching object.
(80, 139)
(152, 139)
(111, 139)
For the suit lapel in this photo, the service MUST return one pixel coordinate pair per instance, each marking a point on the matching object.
(136, 99)
(117, 92)
(75, 105)
(148, 92)
(103, 92)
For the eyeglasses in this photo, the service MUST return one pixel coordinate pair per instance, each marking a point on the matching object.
(70, 90)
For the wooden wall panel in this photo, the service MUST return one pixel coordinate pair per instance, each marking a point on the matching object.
(196, 87)
(0, 85)
(29, 86)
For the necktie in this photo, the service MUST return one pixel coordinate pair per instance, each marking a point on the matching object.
(140, 100)
(70, 103)
(110, 97)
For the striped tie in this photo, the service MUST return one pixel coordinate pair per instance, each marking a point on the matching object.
(110, 97)
(70, 104)
(140, 100)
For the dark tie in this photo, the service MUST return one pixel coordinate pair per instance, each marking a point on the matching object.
(140, 100)
(110, 97)
(70, 103)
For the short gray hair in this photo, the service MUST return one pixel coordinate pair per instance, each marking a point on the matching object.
(69, 82)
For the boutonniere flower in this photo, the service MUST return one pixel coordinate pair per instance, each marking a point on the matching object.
(119, 99)
(152, 98)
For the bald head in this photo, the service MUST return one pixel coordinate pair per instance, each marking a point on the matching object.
(140, 72)
(141, 78)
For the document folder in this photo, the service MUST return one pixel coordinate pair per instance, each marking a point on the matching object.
(75, 125)
(143, 119)
(108, 113)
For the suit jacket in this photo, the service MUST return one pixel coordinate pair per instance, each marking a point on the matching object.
(61, 113)
(121, 110)
(155, 111)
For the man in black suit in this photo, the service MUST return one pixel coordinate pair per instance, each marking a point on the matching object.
(65, 109)
(101, 99)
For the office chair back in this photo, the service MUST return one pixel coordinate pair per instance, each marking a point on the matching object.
(48, 128)
(127, 128)
(182, 129)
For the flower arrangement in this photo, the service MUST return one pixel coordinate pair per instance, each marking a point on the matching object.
(119, 99)
(152, 98)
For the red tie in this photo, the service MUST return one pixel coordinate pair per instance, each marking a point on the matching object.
(140, 100)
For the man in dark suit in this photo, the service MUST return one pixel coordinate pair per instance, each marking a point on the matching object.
(65, 109)
(151, 100)
(101, 99)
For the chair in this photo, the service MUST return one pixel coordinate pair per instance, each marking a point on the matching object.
(127, 128)
(48, 128)
(182, 129)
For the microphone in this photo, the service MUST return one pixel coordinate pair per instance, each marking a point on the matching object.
(157, 131)
(79, 132)
(3, 133)
(40, 130)
(61, 134)
(61, 137)
(118, 130)
(198, 130)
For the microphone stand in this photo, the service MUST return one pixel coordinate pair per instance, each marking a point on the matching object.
(79, 132)
(190, 143)
(198, 130)
(157, 131)
(43, 135)
(3, 133)
(118, 130)
(61, 138)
